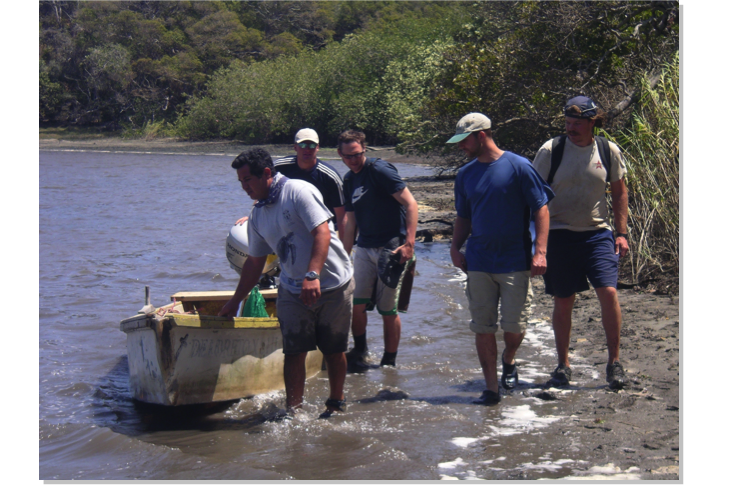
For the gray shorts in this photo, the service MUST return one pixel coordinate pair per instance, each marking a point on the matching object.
(369, 266)
(325, 324)
(484, 290)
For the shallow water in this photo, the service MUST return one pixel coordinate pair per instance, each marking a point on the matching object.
(111, 223)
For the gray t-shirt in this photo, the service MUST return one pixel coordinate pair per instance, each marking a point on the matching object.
(579, 185)
(285, 226)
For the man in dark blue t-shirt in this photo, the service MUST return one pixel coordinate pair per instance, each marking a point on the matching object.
(378, 203)
(497, 194)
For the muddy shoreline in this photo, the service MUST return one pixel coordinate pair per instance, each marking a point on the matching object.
(634, 431)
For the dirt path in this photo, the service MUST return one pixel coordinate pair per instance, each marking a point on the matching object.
(635, 429)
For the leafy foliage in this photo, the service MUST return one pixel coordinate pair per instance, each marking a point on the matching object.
(132, 63)
(518, 62)
(371, 80)
(651, 147)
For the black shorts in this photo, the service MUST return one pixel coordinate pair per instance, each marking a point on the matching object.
(574, 257)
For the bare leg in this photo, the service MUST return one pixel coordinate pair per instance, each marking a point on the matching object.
(337, 369)
(294, 379)
(486, 349)
(562, 326)
(392, 326)
(359, 319)
(611, 320)
(512, 342)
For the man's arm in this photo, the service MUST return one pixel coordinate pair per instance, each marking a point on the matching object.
(350, 227)
(620, 211)
(249, 275)
(461, 230)
(541, 227)
(341, 217)
(405, 198)
(311, 289)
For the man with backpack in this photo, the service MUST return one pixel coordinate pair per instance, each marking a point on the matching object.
(581, 244)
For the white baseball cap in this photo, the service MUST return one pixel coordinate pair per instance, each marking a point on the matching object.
(468, 124)
(306, 134)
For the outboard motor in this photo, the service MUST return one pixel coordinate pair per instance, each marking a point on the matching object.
(236, 249)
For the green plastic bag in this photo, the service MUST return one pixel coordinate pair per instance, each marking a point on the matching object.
(255, 305)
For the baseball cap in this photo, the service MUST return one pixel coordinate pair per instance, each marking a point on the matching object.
(587, 107)
(306, 134)
(468, 124)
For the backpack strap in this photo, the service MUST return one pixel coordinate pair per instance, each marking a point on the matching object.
(603, 150)
(557, 152)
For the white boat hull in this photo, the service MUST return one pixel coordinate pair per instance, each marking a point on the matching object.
(179, 359)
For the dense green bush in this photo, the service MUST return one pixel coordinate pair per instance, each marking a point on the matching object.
(518, 62)
(376, 81)
(651, 147)
(131, 63)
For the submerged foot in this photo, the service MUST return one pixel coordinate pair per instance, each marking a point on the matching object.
(358, 361)
(488, 398)
(333, 406)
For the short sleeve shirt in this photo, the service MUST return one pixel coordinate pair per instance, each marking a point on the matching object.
(499, 199)
(323, 176)
(285, 226)
(579, 184)
(369, 194)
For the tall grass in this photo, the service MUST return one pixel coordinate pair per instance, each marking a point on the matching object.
(650, 145)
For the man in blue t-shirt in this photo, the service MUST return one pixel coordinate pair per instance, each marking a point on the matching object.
(497, 194)
(378, 203)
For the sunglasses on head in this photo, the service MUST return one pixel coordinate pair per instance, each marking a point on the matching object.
(310, 144)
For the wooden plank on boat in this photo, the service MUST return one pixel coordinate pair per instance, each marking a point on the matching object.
(267, 293)
(211, 302)
(207, 321)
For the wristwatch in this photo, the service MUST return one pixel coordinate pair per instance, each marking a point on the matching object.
(617, 235)
(311, 275)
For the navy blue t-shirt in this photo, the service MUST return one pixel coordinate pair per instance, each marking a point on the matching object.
(323, 176)
(499, 199)
(380, 217)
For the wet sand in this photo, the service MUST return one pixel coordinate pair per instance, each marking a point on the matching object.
(636, 429)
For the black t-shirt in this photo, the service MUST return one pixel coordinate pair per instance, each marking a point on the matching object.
(380, 217)
(323, 176)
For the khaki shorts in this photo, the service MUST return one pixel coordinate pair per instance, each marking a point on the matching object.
(325, 324)
(370, 286)
(484, 290)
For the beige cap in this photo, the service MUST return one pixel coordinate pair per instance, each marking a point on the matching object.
(306, 134)
(468, 124)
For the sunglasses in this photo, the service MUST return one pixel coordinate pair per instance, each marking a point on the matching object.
(352, 156)
(311, 145)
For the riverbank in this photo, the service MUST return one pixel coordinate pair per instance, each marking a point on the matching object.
(431, 431)
(637, 429)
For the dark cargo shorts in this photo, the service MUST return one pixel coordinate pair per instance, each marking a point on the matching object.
(574, 257)
(325, 324)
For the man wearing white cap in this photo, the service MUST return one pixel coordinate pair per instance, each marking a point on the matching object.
(497, 194)
(306, 166)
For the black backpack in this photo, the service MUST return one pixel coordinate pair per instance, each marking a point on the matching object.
(603, 150)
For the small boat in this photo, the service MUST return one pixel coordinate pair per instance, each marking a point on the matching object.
(182, 353)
